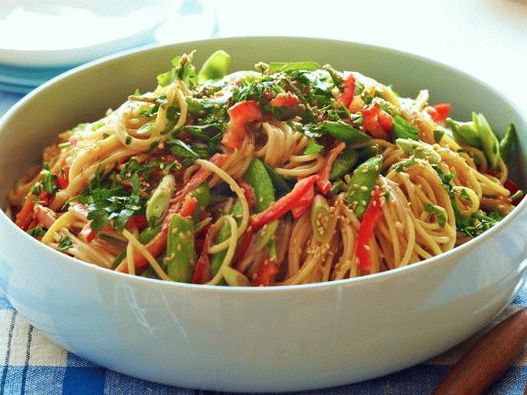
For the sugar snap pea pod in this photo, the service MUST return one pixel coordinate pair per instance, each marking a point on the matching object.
(489, 141)
(158, 202)
(403, 129)
(180, 248)
(259, 179)
(419, 149)
(215, 67)
(464, 132)
(320, 216)
(344, 163)
(281, 186)
(362, 182)
(369, 151)
(149, 233)
(344, 132)
(203, 196)
(264, 193)
(223, 234)
(507, 142)
(336, 187)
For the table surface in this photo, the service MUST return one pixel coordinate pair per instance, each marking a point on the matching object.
(486, 38)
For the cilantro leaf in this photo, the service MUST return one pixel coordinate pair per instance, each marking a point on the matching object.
(65, 243)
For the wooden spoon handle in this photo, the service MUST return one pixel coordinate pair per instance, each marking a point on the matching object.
(488, 358)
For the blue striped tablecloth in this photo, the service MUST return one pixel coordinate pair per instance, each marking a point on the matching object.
(32, 364)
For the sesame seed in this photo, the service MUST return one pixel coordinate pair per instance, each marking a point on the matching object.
(178, 247)
(366, 247)
(364, 188)
(364, 203)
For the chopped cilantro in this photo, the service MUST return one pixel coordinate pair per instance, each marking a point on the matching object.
(438, 212)
(313, 148)
(65, 243)
(37, 232)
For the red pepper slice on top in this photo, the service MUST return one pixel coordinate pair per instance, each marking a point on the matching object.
(323, 183)
(439, 112)
(266, 274)
(365, 234)
(304, 203)
(240, 115)
(202, 272)
(25, 215)
(284, 204)
(376, 121)
(348, 90)
(286, 99)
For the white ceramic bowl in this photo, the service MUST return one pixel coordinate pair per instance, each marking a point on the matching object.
(264, 339)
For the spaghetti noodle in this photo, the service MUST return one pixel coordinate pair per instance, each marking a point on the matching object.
(291, 174)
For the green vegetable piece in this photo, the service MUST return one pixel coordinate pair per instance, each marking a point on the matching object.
(438, 211)
(438, 135)
(234, 278)
(336, 187)
(489, 141)
(223, 234)
(313, 148)
(344, 132)
(464, 133)
(403, 130)
(507, 142)
(419, 150)
(275, 67)
(159, 200)
(202, 195)
(215, 67)
(344, 163)
(148, 234)
(368, 152)
(362, 182)
(180, 249)
(281, 186)
(259, 179)
(320, 216)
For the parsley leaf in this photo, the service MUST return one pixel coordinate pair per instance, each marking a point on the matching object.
(65, 243)
(438, 212)
(37, 232)
(313, 148)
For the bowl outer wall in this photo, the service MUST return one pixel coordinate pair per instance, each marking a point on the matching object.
(260, 340)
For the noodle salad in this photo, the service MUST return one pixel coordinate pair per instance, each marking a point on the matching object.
(289, 174)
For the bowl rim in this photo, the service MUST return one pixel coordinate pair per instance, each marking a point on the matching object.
(370, 278)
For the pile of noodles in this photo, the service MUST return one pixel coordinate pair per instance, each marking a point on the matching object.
(406, 232)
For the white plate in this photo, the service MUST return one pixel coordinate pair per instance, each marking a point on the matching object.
(51, 33)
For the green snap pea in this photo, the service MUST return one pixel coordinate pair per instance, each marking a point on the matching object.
(464, 132)
(489, 141)
(281, 186)
(275, 67)
(320, 216)
(507, 142)
(148, 234)
(259, 179)
(362, 182)
(336, 187)
(223, 234)
(369, 151)
(180, 248)
(158, 202)
(344, 132)
(215, 67)
(419, 149)
(404, 130)
(203, 196)
(344, 163)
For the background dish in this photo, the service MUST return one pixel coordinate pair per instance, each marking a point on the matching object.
(180, 334)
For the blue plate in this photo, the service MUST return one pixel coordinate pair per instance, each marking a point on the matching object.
(28, 76)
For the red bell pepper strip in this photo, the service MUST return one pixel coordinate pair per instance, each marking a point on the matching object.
(439, 112)
(365, 234)
(240, 115)
(348, 90)
(323, 183)
(189, 206)
(376, 121)
(62, 177)
(202, 272)
(44, 216)
(248, 191)
(202, 174)
(304, 203)
(244, 244)
(386, 121)
(266, 274)
(25, 215)
(137, 221)
(287, 99)
(284, 204)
